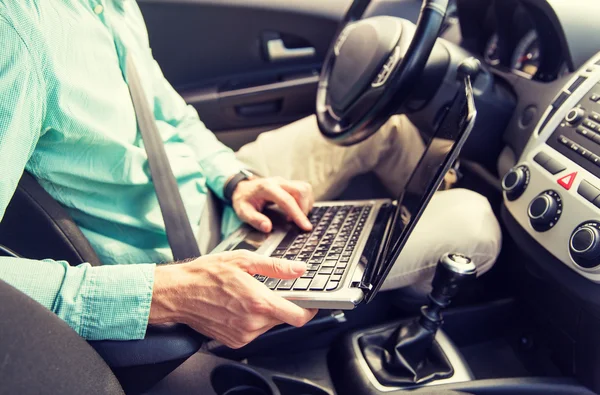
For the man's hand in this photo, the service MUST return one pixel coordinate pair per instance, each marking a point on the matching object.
(217, 296)
(295, 198)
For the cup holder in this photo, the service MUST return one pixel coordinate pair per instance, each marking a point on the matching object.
(238, 380)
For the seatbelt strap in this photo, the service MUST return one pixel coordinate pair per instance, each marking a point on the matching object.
(179, 230)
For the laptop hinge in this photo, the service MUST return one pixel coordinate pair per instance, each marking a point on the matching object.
(365, 287)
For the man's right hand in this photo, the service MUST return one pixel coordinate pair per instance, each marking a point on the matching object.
(217, 296)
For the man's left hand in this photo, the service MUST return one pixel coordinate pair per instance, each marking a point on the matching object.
(295, 198)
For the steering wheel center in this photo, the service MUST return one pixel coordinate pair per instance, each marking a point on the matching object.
(371, 70)
(361, 56)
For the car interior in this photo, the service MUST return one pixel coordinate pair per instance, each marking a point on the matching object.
(529, 326)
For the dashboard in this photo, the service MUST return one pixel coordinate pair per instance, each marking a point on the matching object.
(538, 116)
(545, 52)
(554, 190)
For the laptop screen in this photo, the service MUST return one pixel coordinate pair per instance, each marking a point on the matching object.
(426, 178)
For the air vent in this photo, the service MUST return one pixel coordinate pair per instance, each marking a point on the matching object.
(577, 84)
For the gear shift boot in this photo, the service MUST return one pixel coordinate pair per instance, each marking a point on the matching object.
(409, 354)
(405, 356)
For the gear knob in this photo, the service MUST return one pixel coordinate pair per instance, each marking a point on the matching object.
(452, 271)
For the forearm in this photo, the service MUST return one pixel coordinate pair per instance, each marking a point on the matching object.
(107, 302)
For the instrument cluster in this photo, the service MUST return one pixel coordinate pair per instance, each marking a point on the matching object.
(518, 38)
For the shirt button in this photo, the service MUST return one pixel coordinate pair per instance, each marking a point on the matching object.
(98, 9)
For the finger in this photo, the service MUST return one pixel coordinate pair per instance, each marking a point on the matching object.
(247, 337)
(253, 323)
(289, 312)
(301, 198)
(249, 214)
(289, 205)
(272, 267)
(302, 192)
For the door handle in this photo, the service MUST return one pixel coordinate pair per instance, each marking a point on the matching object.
(278, 52)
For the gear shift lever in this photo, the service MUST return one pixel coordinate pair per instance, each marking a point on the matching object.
(452, 271)
(409, 354)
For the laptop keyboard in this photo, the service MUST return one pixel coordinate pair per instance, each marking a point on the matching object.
(326, 250)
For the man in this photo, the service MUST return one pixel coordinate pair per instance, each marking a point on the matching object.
(66, 116)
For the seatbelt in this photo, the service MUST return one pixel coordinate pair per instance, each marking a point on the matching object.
(179, 230)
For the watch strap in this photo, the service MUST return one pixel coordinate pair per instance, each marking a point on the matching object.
(233, 183)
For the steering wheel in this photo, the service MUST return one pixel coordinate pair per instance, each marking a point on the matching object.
(371, 69)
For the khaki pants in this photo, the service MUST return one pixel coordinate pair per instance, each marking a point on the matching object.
(456, 220)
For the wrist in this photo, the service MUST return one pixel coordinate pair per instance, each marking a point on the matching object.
(164, 306)
(233, 182)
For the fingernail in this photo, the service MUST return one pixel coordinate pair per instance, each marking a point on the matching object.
(307, 224)
(298, 267)
(264, 226)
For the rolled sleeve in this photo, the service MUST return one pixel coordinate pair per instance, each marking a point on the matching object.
(99, 303)
(116, 302)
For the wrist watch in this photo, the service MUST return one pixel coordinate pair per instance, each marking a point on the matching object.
(234, 181)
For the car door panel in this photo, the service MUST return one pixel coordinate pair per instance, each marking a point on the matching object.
(216, 54)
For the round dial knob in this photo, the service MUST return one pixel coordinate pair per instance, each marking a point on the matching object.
(585, 242)
(515, 182)
(544, 211)
(575, 115)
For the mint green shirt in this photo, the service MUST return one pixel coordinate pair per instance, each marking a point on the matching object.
(66, 117)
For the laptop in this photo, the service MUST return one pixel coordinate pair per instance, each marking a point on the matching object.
(354, 244)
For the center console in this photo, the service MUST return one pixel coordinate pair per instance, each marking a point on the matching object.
(554, 190)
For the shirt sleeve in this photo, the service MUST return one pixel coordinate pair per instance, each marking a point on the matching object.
(110, 302)
(217, 160)
(99, 303)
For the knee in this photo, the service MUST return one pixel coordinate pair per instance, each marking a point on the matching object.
(465, 223)
(478, 231)
(397, 128)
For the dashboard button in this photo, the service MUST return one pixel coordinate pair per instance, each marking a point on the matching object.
(586, 154)
(595, 159)
(595, 116)
(588, 191)
(574, 147)
(595, 98)
(567, 181)
(554, 166)
(564, 141)
(597, 202)
(585, 132)
(591, 125)
(542, 158)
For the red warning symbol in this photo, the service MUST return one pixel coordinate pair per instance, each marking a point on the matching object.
(567, 181)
